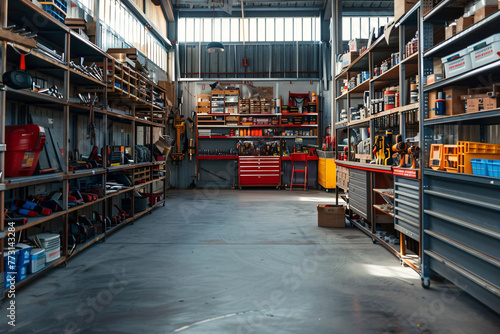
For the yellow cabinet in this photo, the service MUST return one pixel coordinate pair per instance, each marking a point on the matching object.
(327, 173)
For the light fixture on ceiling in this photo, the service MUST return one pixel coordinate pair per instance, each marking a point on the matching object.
(214, 47)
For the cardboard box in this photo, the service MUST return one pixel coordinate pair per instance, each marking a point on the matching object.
(437, 67)
(450, 31)
(484, 12)
(454, 103)
(464, 23)
(348, 58)
(478, 99)
(163, 146)
(432, 78)
(331, 215)
(401, 7)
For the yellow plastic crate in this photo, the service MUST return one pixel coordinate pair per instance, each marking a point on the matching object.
(468, 150)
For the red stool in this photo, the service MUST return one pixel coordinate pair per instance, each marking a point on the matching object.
(301, 160)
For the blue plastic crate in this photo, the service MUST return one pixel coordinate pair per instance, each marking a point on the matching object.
(8, 279)
(54, 12)
(14, 260)
(493, 168)
(59, 3)
(479, 167)
(24, 254)
(22, 271)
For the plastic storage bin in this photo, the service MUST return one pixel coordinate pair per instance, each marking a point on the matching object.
(59, 3)
(493, 168)
(24, 251)
(37, 260)
(8, 279)
(13, 262)
(479, 167)
(485, 51)
(457, 63)
(24, 144)
(22, 271)
(54, 11)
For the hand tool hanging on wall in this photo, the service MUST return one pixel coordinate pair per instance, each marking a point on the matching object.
(180, 128)
(91, 127)
(18, 79)
(192, 145)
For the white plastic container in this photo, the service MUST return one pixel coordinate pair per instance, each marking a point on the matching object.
(485, 51)
(457, 63)
(37, 260)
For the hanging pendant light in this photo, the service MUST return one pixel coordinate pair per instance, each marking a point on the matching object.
(214, 47)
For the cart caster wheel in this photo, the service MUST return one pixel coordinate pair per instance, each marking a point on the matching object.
(426, 283)
(63, 265)
(374, 240)
(239, 188)
(327, 190)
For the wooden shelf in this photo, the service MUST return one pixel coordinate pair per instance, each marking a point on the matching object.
(381, 191)
(85, 245)
(19, 182)
(34, 221)
(379, 208)
(87, 204)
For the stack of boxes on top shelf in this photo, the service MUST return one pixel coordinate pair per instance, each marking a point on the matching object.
(475, 55)
(474, 12)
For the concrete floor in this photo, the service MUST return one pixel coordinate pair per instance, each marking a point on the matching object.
(250, 261)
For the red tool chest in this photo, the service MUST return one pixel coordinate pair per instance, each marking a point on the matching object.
(24, 144)
(259, 171)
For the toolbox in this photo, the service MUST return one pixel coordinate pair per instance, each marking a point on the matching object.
(37, 260)
(457, 63)
(24, 144)
(485, 51)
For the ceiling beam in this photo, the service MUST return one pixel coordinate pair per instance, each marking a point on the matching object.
(168, 11)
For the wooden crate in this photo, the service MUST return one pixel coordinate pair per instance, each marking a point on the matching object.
(266, 92)
(267, 106)
(244, 106)
(255, 106)
(141, 175)
(203, 103)
(343, 177)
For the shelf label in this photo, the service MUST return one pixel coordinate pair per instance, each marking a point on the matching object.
(410, 173)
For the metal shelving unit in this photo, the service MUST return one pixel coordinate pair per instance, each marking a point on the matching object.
(73, 46)
(365, 179)
(460, 235)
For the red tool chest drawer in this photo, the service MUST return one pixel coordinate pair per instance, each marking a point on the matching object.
(259, 171)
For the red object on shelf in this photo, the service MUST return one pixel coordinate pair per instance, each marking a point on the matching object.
(24, 144)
